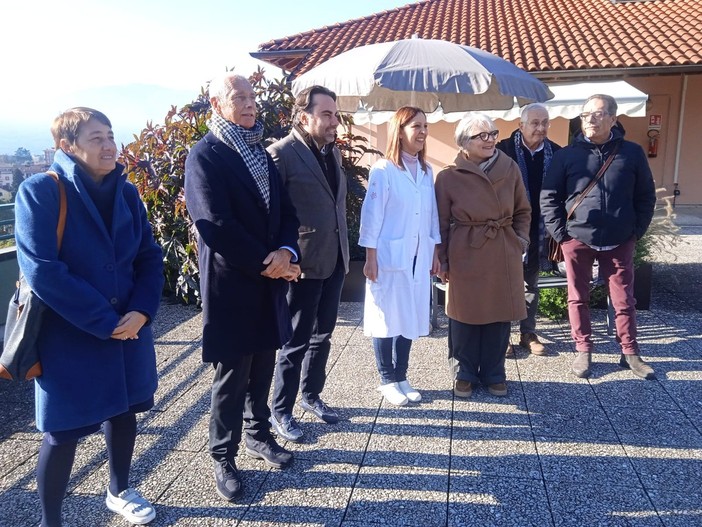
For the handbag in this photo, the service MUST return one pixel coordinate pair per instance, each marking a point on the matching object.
(555, 251)
(19, 359)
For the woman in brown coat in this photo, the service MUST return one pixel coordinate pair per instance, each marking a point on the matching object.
(484, 217)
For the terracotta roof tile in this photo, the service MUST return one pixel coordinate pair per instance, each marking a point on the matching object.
(536, 35)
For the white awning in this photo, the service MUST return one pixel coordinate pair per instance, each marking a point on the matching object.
(567, 102)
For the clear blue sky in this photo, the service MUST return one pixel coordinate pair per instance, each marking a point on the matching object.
(132, 59)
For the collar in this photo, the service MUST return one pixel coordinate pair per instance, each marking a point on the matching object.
(538, 149)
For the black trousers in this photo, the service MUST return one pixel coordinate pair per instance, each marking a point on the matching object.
(302, 362)
(479, 350)
(240, 396)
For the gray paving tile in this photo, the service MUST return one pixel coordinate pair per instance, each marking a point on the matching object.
(557, 396)
(399, 495)
(677, 509)
(178, 428)
(646, 427)
(308, 491)
(504, 501)
(343, 442)
(597, 505)
(583, 423)
(668, 469)
(482, 420)
(19, 507)
(571, 462)
(632, 392)
(14, 452)
(425, 443)
(490, 457)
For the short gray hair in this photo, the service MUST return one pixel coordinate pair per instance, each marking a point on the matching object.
(222, 85)
(470, 122)
(523, 117)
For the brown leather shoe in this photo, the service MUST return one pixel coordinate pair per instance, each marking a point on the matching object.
(498, 390)
(462, 389)
(531, 342)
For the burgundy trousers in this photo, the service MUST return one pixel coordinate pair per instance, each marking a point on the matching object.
(617, 270)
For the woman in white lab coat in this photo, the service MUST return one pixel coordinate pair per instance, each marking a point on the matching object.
(400, 231)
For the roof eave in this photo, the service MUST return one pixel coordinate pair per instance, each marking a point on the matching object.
(285, 59)
(616, 73)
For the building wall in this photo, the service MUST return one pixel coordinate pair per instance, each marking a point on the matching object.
(668, 167)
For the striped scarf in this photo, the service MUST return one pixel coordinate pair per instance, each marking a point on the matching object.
(247, 143)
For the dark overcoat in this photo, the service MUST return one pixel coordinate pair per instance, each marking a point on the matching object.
(243, 311)
(98, 276)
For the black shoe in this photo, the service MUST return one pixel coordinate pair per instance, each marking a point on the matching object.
(637, 366)
(269, 451)
(228, 480)
(321, 410)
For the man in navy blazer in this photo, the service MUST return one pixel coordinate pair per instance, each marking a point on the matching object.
(247, 230)
(309, 164)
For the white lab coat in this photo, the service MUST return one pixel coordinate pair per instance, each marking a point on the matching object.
(399, 219)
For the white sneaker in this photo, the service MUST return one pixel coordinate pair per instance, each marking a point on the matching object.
(132, 505)
(393, 394)
(412, 395)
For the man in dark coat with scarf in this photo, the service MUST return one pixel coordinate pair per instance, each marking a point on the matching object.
(530, 147)
(247, 240)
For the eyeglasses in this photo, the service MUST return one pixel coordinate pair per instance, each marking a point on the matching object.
(599, 114)
(544, 124)
(485, 136)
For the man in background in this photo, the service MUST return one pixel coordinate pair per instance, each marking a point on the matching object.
(530, 147)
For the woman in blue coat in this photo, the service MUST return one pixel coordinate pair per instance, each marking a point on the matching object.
(102, 288)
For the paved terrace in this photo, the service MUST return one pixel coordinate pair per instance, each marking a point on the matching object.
(558, 451)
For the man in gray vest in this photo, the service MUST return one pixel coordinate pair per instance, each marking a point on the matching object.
(309, 164)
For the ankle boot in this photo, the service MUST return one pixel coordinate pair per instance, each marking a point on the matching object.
(581, 364)
(637, 366)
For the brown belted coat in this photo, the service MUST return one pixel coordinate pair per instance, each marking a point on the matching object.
(481, 218)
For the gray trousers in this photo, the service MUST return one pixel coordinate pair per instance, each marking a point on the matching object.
(531, 290)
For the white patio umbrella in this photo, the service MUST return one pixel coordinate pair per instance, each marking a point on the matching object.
(425, 73)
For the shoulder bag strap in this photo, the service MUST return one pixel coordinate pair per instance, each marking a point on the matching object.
(61, 226)
(592, 183)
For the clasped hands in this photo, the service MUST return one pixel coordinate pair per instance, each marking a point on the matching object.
(129, 325)
(278, 265)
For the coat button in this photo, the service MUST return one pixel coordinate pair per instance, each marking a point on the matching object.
(110, 267)
(336, 230)
(113, 301)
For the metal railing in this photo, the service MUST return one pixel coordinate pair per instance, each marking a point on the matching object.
(7, 221)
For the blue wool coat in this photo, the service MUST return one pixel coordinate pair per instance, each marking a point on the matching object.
(97, 277)
(243, 312)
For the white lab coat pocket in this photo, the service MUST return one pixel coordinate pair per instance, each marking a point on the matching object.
(392, 255)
